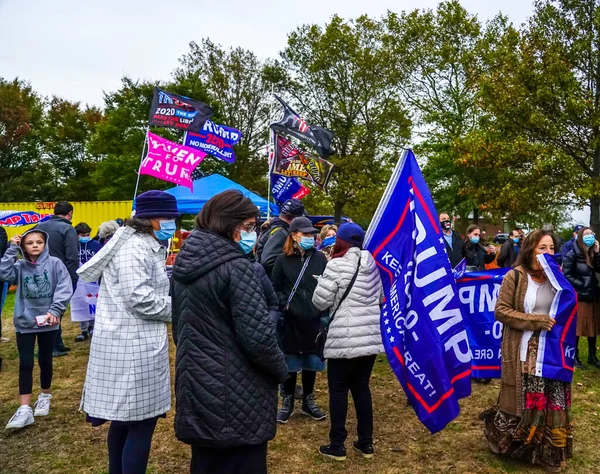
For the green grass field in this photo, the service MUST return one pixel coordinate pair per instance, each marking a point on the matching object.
(64, 443)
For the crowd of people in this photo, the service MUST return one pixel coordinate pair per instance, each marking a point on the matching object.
(250, 313)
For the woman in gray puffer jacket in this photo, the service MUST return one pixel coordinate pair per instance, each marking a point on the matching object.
(354, 337)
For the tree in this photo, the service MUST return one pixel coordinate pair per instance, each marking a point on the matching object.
(343, 77)
(543, 83)
(67, 130)
(21, 119)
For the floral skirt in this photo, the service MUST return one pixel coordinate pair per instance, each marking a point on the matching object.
(544, 434)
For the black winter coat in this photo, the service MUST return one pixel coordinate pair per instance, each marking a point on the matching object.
(228, 363)
(457, 252)
(270, 245)
(302, 319)
(477, 255)
(580, 275)
(508, 254)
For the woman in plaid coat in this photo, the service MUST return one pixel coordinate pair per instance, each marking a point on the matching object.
(128, 380)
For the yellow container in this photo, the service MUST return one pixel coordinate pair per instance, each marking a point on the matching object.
(92, 213)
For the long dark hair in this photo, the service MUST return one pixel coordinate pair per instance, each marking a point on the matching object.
(587, 251)
(527, 253)
(467, 241)
(223, 213)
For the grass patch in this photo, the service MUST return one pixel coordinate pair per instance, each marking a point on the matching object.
(64, 443)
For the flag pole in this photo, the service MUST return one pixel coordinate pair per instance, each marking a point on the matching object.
(137, 183)
(271, 152)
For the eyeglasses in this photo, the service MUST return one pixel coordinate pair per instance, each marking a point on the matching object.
(250, 227)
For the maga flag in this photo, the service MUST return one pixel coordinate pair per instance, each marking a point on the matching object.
(422, 325)
(292, 162)
(19, 218)
(176, 111)
(285, 188)
(292, 124)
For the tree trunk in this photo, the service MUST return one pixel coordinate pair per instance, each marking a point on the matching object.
(595, 214)
(338, 209)
(476, 215)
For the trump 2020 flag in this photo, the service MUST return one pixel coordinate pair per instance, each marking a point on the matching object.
(556, 350)
(422, 326)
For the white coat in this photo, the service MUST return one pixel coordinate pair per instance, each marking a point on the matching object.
(354, 331)
(128, 371)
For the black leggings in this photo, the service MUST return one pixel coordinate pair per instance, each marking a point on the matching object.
(308, 382)
(26, 345)
(129, 446)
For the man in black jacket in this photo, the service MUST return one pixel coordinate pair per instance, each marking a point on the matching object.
(270, 244)
(62, 244)
(454, 244)
(510, 250)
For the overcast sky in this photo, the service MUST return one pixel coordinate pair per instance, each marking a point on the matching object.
(77, 49)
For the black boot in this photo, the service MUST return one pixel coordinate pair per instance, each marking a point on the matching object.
(286, 410)
(592, 359)
(578, 364)
(310, 408)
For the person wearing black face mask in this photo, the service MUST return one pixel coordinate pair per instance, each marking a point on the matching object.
(454, 244)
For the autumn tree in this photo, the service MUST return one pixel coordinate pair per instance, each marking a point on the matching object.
(343, 77)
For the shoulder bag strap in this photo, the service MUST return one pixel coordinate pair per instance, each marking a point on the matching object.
(347, 292)
(295, 288)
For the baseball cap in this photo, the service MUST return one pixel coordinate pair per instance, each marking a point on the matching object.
(293, 207)
(304, 225)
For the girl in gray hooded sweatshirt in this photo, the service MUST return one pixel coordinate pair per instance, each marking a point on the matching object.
(44, 289)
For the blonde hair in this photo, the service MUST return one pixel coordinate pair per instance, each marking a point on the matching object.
(327, 228)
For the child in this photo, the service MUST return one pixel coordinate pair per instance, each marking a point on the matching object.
(85, 294)
(44, 288)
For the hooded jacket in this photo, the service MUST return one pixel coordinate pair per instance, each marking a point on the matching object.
(42, 287)
(128, 374)
(63, 243)
(270, 245)
(228, 363)
(354, 331)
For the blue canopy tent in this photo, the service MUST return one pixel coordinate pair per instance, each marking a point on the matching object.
(189, 202)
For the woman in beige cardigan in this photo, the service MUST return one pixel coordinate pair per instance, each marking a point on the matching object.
(532, 421)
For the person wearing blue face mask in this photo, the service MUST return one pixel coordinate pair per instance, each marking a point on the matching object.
(477, 256)
(81, 302)
(510, 250)
(128, 382)
(295, 277)
(228, 362)
(580, 266)
(328, 238)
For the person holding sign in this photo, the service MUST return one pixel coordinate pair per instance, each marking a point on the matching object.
(580, 266)
(532, 421)
(43, 292)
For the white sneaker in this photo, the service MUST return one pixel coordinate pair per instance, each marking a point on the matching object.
(23, 417)
(42, 406)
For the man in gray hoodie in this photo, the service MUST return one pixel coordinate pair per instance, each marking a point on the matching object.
(43, 293)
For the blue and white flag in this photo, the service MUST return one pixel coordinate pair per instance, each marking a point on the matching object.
(478, 293)
(422, 326)
(20, 218)
(215, 140)
(556, 350)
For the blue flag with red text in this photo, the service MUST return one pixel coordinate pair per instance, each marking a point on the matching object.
(422, 325)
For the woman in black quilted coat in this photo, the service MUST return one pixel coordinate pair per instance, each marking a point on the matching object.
(228, 363)
(580, 266)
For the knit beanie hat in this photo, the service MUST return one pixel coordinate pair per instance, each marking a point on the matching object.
(156, 204)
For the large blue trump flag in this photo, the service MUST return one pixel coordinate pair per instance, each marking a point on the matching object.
(421, 321)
